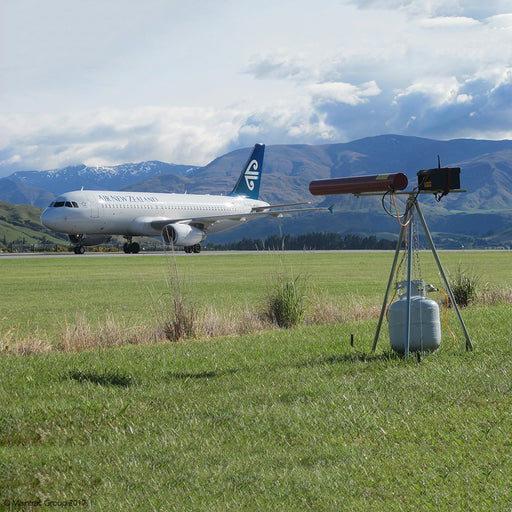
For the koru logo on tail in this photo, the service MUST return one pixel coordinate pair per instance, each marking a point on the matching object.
(251, 174)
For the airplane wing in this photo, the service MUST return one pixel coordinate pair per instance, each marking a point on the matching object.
(272, 206)
(206, 223)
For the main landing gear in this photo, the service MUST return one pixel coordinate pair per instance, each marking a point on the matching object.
(131, 247)
(196, 249)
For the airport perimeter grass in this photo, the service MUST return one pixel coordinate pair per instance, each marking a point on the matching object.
(42, 298)
(282, 420)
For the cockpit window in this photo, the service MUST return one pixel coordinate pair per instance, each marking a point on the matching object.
(67, 204)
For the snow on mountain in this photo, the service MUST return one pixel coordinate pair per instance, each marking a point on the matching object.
(96, 178)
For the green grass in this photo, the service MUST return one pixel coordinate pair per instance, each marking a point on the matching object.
(283, 420)
(40, 297)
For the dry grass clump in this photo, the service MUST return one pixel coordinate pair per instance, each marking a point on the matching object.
(491, 295)
(231, 323)
(10, 343)
(323, 310)
(82, 335)
(182, 322)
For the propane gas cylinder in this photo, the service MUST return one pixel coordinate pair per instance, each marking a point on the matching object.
(425, 326)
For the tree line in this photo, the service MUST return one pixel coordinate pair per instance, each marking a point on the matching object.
(307, 241)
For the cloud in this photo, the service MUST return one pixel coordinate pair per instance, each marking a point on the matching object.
(500, 21)
(449, 22)
(186, 81)
(285, 125)
(476, 9)
(277, 66)
(111, 136)
(443, 107)
(340, 92)
(476, 107)
(439, 90)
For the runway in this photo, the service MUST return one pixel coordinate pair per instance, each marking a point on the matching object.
(29, 255)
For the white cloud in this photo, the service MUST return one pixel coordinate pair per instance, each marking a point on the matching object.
(112, 136)
(287, 125)
(124, 80)
(278, 65)
(477, 9)
(500, 21)
(440, 90)
(449, 22)
(341, 92)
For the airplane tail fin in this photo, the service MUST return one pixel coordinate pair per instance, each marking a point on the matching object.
(248, 184)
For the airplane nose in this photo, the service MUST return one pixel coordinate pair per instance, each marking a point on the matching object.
(47, 218)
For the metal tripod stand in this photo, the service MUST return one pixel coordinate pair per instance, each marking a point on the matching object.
(412, 206)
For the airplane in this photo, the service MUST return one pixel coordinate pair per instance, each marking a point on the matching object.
(92, 217)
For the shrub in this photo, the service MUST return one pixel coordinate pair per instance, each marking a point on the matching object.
(464, 286)
(285, 303)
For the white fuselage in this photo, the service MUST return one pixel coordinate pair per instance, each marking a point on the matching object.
(140, 213)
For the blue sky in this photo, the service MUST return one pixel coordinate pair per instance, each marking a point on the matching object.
(103, 82)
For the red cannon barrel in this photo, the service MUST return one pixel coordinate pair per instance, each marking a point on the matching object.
(359, 184)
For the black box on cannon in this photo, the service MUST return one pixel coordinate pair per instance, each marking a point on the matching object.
(441, 179)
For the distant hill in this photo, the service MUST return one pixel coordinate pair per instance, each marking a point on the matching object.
(20, 224)
(485, 211)
(14, 191)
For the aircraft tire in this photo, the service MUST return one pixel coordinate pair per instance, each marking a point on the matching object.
(196, 248)
(131, 248)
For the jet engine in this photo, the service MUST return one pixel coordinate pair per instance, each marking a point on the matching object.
(89, 240)
(182, 234)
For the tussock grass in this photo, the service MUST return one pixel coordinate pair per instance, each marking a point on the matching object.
(464, 285)
(182, 321)
(285, 301)
(467, 289)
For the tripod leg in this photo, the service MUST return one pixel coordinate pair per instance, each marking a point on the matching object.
(469, 345)
(390, 282)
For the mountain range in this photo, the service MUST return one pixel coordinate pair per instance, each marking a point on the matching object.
(484, 211)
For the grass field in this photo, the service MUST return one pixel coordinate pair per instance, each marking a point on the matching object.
(279, 420)
(42, 298)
